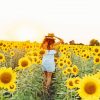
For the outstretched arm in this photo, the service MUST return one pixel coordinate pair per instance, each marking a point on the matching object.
(61, 41)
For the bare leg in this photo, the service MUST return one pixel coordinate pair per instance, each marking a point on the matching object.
(45, 77)
(49, 76)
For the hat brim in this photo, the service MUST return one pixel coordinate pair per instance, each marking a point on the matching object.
(50, 37)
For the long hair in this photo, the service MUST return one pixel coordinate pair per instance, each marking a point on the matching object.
(49, 41)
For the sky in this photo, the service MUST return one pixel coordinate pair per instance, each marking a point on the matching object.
(23, 20)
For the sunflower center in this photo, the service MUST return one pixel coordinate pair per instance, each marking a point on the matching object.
(68, 56)
(97, 59)
(68, 62)
(61, 64)
(1, 57)
(70, 83)
(65, 72)
(12, 86)
(84, 55)
(55, 60)
(90, 88)
(74, 69)
(24, 63)
(64, 48)
(61, 59)
(1, 44)
(77, 81)
(69, 70)
(61, 50)
(87, 56)
(5, 77)
(96, 50)
(12, 53)
(35, 54)
(42, 52)
(64, 61)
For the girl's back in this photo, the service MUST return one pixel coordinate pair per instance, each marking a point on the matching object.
(49, 55)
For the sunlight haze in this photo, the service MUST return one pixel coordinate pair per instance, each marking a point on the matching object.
(77, 20)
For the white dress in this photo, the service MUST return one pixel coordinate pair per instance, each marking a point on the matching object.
(48, 61)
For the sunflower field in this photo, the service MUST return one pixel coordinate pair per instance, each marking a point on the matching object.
(77, 75)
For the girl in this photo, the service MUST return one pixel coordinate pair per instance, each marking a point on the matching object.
(48, 64)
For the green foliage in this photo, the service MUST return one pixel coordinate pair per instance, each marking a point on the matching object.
(29, 84)
(30, 81)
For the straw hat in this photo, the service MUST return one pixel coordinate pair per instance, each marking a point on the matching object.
(50, 35)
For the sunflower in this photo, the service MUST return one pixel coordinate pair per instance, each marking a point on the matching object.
(37, 60)
(90, 48)
(12, 87)
(68, 55)
(89, 88)
(7, 76)
(93, 54)
(2, 57)
(70, 83)
(96, 60)
(64, 52)
(64, 72)
(85, 55)
(5, 49)
(96, 49)
(36, 53)
(12, 53)
(65, 48)
(77, 51)
(56, 59)
(61, 49)
(98, 54)
(88, 56)
(83, 50)
(75, 70)
(64, 60)
(24, 63)
(77, 81)
(68, 70)
(60, 64)
(42, 51)
(68, 62)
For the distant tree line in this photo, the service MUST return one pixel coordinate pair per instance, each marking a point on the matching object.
(93, 42)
